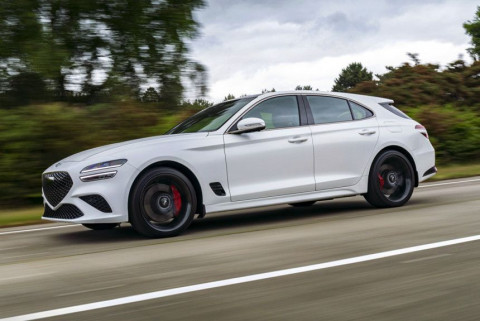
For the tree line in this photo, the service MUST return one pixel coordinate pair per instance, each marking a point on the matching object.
(96, 50)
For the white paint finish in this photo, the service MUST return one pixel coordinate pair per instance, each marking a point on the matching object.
(238, 280)
(342, 153)
(265, 164)
(258, 169)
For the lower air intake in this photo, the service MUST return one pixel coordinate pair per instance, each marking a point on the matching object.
(66, 212)
(98, 202)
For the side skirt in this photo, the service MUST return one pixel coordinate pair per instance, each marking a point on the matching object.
(360, 188)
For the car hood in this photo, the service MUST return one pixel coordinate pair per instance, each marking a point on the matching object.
(132, 144)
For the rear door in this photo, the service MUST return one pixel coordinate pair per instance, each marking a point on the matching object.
(273, 162)
(344, 137)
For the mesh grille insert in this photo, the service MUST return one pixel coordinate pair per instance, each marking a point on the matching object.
(66, 211)
(56, 186)
(217, 188)
(98, 202)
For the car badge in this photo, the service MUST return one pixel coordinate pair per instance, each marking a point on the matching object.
(58, 164)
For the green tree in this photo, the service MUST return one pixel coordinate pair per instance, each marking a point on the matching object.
(472, 28)
(229, 97)
(264, 91)
(150, 95)
(307, 87)
(350, 76)
(131, 43)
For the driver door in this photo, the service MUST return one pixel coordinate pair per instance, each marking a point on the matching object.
(273, 162)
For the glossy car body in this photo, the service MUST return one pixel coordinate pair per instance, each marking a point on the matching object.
(311, 160)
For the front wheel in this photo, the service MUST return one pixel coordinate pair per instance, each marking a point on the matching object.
(162, 203)
(391, 180)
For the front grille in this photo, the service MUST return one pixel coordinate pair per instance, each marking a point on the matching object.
(98, 202)
(56, 186)
(66, 211)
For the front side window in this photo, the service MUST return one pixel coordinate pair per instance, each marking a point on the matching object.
(278, 112)
(329, 109)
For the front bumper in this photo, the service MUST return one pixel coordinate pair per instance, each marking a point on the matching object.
(100, 201)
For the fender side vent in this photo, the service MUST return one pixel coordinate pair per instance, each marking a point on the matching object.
(217, 188)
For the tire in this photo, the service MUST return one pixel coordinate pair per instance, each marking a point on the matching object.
(303, 204)
(102, 226)
(391, 180)
(162, 203)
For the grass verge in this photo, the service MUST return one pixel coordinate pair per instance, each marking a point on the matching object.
(31, 215)
(24, 216)
(456, 171)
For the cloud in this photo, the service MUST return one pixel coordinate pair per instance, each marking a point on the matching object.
(251, 45)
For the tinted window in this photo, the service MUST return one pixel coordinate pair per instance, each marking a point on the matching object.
(211, 118)
(360, 112)
(329, 109)
(279, 112)
(394, 110)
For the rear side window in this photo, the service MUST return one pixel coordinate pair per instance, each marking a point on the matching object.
(394, 110)
(360, 112)
(329, 109)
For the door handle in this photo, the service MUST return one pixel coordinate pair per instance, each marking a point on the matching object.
(367, 132)
(297, 140)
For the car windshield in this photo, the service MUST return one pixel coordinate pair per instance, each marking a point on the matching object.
(212, 118)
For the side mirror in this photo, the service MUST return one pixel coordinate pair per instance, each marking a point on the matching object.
(249, 125)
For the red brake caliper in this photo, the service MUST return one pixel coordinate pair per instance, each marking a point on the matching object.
(381, 181)
(177, 200)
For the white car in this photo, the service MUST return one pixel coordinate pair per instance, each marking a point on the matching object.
(293, 147)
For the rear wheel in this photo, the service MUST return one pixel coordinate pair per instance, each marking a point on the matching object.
(102, 226)
(162, 203)
(391, 180)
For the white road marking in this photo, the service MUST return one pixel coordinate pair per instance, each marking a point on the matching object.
(450, 183)
(238, 280)
(427, 258)
(91, 290)
(36, 229)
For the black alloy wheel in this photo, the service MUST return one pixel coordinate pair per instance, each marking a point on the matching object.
(391, 180)
(162, 203)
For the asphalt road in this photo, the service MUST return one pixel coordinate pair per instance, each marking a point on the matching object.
(52, 268)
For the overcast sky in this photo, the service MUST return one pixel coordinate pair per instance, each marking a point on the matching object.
(255, 44)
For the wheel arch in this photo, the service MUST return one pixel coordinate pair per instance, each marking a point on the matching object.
(405, 153)
(182, 169)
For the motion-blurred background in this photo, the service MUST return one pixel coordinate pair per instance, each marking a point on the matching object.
(79, 74)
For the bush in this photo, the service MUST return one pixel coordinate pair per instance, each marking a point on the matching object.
(454, 132)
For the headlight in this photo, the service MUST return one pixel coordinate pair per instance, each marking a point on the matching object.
(103, 165)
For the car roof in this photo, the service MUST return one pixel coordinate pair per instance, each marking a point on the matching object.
(355, 97)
